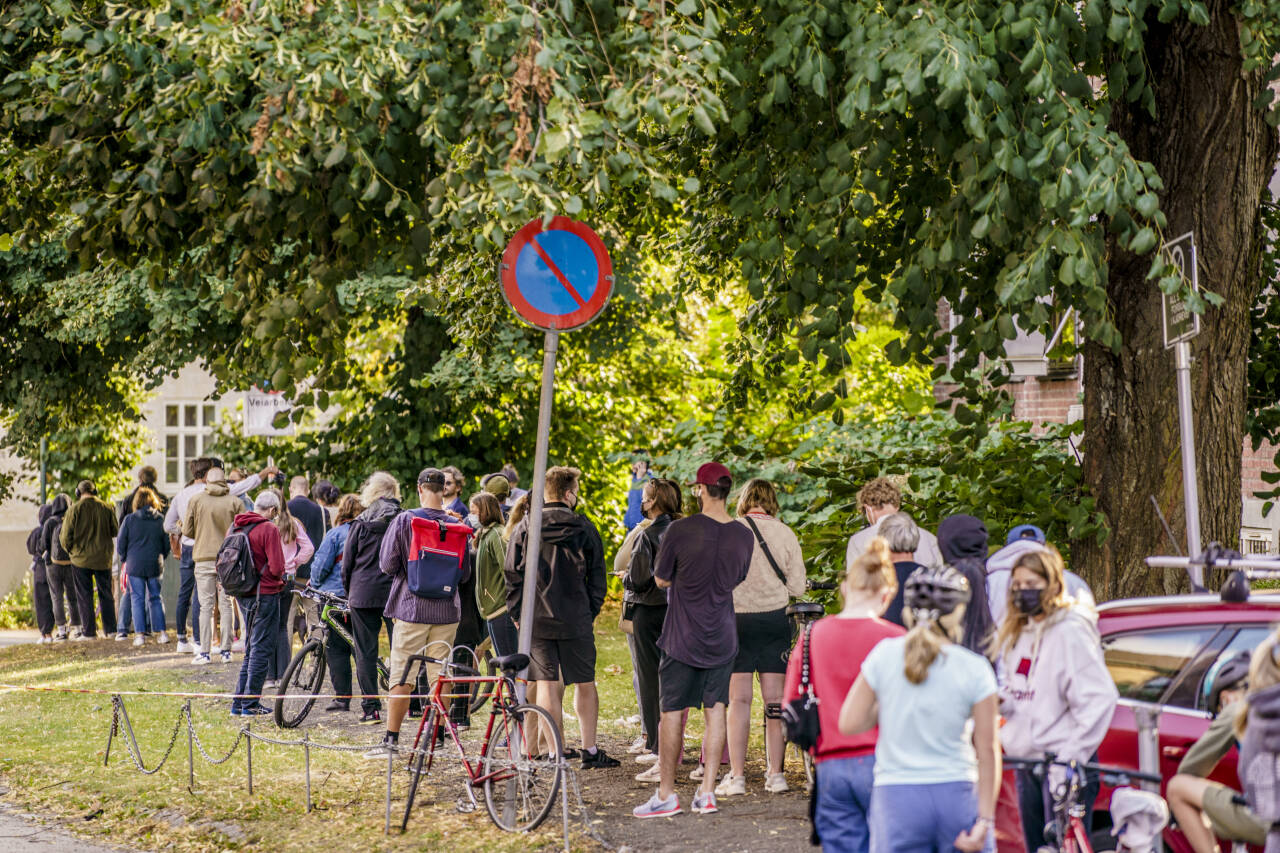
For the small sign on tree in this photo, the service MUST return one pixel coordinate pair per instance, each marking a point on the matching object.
(1180, 322)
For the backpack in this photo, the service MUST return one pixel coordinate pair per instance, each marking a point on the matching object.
(436, 552)
(58, 554)
(236, 571)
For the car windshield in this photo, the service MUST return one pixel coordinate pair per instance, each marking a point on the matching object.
(1143, 664)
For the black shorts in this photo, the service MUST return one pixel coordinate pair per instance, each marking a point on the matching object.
(682, 686)
(764, 642)
(573, 661)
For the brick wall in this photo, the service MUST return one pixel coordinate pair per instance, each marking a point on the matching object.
(1253, 464)
(1045, 399)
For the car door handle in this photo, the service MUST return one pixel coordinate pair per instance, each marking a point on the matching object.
(1173, 751)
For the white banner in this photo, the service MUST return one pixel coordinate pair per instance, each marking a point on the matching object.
(261, 408)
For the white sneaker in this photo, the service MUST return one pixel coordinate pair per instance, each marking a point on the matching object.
(184, 647)
(637, 746)
(704, 804)
(732, 786)
(696, 773)
(383, 749)
(138, 641)
(163, 639)
(200, 659)
(653, 773)
(646, 758)
(238, 645)
(774, 783)
(81, 638)
(270, 684)
(226, 657)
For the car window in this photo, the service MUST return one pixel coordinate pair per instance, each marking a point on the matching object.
(1246, 639)
(1143, 664)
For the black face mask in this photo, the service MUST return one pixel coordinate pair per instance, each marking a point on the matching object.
(1028, 601)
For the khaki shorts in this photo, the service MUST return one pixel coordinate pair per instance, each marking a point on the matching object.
(1230, 819)
(414, 638)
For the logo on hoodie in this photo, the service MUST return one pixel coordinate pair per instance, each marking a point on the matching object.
(1024, 667)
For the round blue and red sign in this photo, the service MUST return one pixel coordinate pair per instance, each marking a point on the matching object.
(557, 278)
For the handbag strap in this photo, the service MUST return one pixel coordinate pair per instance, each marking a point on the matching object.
(767, 553)
(806, 683)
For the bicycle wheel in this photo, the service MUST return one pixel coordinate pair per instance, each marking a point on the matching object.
(384, 677)
(521, 788)
(302, 681)
(425, 745)
(482, 690)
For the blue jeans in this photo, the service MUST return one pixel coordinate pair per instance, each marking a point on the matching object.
(187, 597)
(260, 616)
(843, 814)
(140, 590)
(503, 633)
(923, 818)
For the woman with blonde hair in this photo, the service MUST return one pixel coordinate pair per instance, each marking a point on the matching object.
(933, 792)
(1056, 694)
(837, 646)
(1259, 731)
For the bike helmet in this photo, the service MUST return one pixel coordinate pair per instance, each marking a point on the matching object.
(1230, 673)
(936, 590)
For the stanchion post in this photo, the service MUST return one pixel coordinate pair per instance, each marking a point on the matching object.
(115, 725)
(248, 751)
(564, 799)
(191, 756)
(306, 755)
(391, 757)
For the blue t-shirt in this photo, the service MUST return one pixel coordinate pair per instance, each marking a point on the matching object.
(926, 737)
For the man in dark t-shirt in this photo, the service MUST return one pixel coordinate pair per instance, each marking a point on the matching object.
(310, 514)
(700, 561)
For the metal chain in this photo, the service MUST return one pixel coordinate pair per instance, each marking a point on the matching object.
(131, 745)
(200, 746)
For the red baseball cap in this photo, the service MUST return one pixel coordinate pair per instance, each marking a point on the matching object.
(711, 473)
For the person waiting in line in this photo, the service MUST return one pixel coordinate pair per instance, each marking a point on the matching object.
(261, 609)
(453, 483)
(661, 501)
(902, 535)
(367, 587)
(570, 592)
(326, 576)
(1202, 807)
(837, 647)
(491, 585)
(87, 533)
(40, 596)
(61, 574)
(701, 560)
(515, 514)
(1057, 695)
(206, 520)
(621, 566)
(423, 626)
(937, 764)
(298, 550)
(963, 542)
(878, 500)
(760, 603)
(640, 475)
(142, 545)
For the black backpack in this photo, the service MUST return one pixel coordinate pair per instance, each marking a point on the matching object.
(236, 571)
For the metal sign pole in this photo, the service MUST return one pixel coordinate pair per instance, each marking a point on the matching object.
(1190, 488)
(549, 346)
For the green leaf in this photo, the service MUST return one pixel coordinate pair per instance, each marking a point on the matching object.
(336, 155)
(1144, 241)
(703, 121)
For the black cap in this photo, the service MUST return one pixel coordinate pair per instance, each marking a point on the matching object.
(431, 476)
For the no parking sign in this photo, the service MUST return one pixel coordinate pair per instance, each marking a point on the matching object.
(557, 278)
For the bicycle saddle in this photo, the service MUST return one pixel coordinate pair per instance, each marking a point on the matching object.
(511, 664)
(806, 608)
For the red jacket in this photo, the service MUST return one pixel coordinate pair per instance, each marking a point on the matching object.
(268, 555)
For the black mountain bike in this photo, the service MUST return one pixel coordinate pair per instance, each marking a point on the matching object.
(801, 613)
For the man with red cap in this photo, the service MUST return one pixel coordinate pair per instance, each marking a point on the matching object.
(700, 561)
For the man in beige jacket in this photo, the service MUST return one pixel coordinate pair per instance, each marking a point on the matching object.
(209, 515)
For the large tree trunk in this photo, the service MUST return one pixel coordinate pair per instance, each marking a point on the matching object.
(1215, 155)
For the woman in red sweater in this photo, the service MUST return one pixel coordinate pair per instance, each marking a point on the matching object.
(837, 646)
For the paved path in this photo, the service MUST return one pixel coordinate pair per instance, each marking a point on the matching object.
(22, 833)
(18, 637)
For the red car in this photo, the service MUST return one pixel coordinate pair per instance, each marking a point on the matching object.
(1160, 650)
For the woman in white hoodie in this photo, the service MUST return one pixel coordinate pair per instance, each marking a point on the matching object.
(1056, 695)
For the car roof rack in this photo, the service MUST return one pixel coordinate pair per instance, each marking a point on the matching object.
(1253, 568)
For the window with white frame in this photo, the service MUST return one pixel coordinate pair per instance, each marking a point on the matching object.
(188, 428)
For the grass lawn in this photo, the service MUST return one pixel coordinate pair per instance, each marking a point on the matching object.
(51, 759)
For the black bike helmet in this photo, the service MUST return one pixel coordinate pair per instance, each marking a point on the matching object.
(1231, 673)
(936, 590)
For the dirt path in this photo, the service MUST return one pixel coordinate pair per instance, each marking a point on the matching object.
(21, 832)
(758, 822)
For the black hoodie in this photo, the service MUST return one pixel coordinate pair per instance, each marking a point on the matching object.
(366, 585)
(571, 579)
(50, 547)
(33, 544)
(962, 539)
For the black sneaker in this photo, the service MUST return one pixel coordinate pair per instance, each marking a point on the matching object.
(369, 718)
(598, 760)
(571, 754)
(337, 705)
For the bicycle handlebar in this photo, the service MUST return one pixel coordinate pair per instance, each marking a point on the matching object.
(1120, 775)
(821, 584)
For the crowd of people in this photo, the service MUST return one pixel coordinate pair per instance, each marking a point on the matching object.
(943, 658)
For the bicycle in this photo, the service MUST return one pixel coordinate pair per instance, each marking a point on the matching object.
(1064, 830)
(303, 678)
(520, 785)
(801, 613)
